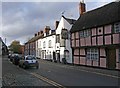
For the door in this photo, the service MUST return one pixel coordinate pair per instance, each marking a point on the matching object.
(111, 58)
(54, 57)
(58, 57)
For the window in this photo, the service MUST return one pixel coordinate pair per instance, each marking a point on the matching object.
(50, 44)
(85, 33)
(44, 44)
(117, 27)
(62, 42)
(92, 54)
(81, 34)
(58, 38)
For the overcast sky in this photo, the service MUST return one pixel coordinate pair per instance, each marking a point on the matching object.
(21, 20)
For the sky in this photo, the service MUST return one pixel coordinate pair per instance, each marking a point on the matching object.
(21, 20)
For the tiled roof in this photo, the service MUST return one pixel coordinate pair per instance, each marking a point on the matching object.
(107, 14)
(34, 38)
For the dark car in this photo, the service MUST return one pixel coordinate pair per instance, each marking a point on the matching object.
(9, 55)
(16, 59)
(12, 56)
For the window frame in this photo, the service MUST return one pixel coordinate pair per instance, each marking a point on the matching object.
(117, 27)
(92, 54)
(58, 38)
(85, 33)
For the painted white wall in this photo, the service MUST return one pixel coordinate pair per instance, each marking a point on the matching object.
(64, 24)
(48, 52)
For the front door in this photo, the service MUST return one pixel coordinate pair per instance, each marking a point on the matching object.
(58, 57)
(111, 58)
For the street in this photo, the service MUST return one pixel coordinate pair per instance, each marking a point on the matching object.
(56, 74)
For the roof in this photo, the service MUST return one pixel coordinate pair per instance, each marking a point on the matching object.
(107, 14)
(34, 38)
(70, 21)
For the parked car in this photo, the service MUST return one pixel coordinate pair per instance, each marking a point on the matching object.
(12, 56)
(16, 59)
(9, 55)
(28, 61)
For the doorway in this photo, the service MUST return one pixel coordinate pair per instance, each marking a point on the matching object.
(111, 58)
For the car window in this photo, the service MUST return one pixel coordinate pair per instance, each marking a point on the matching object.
(30, 58)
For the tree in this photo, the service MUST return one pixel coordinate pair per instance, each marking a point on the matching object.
(15, 47)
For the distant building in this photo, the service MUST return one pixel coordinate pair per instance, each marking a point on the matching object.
(46, 44)
(30, 46)
(95, 37)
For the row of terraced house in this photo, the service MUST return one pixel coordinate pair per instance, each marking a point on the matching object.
(91, 40)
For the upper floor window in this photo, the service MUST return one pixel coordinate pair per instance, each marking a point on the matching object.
(92, 54)
(85, 33)
(62, 42)
(44, 44)
(58, 38)
(50, 43)
(117, 27)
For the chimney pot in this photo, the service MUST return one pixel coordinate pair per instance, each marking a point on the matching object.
(35, 34)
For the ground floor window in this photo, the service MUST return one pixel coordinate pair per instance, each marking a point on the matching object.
(92, 54)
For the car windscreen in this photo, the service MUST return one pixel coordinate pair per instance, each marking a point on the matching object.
(30, 58)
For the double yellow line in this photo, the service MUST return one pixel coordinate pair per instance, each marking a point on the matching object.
(47, 80)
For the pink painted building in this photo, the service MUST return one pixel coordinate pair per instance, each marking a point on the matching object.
(95, 37)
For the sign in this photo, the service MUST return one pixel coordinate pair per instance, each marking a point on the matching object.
(64, 34)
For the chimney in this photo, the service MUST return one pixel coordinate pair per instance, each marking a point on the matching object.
(35, 34)
(46, 30)
(41, 32)
(82, 7)
(56, 24)
(38, 33)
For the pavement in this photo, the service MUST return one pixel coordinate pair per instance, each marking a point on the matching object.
(12, 75)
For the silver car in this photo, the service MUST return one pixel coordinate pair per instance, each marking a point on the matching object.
(28, 61)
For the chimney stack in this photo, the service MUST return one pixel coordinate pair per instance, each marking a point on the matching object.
(35, 34)
(82, 7)
(56, 24)
(38, 33)
(46, 30)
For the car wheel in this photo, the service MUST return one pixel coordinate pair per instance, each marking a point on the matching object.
(24, 66)
(19, 65)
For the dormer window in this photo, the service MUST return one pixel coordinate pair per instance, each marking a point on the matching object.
(117, 27)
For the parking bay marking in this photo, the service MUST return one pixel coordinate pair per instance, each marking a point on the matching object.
(47, 80)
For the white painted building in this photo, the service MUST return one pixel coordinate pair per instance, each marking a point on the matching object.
(55, 44)
(63, 48)
(46, 45)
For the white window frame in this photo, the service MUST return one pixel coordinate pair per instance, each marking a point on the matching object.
(44, 45)
(92, 54)
(50, 43)
(117, 27)
(85, 33)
